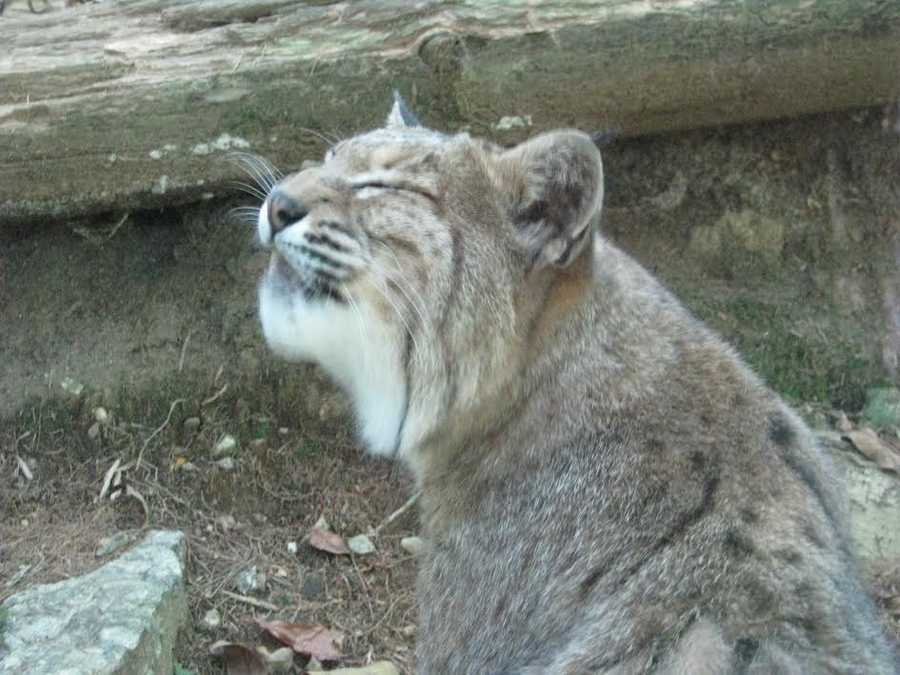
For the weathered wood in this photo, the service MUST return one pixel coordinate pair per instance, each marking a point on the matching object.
(120, 105)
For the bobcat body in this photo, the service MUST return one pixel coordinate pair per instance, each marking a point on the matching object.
(606, 488)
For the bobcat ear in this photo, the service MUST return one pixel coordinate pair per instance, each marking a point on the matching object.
(400, 115)
(557, 192)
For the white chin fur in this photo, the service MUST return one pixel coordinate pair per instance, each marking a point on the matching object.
(263, 228)
(365, 360)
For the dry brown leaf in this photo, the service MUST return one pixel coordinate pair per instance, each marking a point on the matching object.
(870, 445)
(239, 659)
(330, 542)
(315, 641)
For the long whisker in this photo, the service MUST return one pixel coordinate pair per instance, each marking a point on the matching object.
(405, 287)
(363, 333)
(270, 175)
(384, 292)
(260, 170)
(246, 215)
(318, 134)
(251, 190)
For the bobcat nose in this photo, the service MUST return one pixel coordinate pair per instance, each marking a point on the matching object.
(284, 211)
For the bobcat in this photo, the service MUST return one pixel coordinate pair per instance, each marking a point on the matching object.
(606, 488)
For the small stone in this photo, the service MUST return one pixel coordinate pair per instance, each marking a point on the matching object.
(160, 186)
(314, 666)
(211, 620)
(513, 122)
(361, 545)
(113, 543)
(248, 580)
(279, 661)
(226, 522)
(225, 445)
(226, 464)
(24, 522)
(94, 431)
(71, 386)
(283, 431)
(101, 416)
(292, 547)
(413, 545)
(191, 424)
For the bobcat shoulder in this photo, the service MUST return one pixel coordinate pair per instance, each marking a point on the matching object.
(606, 488)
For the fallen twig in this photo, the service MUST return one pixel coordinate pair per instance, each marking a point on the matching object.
(184, 346)
(261, 604)
(178, 401)
(396, 514)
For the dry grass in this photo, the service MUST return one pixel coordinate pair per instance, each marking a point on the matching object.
(284, 480)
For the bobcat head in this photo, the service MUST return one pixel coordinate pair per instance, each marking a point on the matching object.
(414, 266)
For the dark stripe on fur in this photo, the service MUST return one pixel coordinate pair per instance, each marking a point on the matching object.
(323, 239)
(710, 487)
(811, 480)
(407, 358)
(781, 431)
(320, 257)
(457, 258)
(337, 227)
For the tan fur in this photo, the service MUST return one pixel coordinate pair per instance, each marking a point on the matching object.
(606, 487)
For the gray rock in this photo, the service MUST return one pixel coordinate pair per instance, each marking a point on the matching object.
(226, 444)
(226, 463)
(251, 580)
(361, 545)
(874, 497)
(413, 545)
(113, 543)
(120, 618)
(212, 620)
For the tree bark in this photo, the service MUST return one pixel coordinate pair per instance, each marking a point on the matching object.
(131, 104)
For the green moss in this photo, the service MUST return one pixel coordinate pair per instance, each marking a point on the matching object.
(796, 355)
(882, 406)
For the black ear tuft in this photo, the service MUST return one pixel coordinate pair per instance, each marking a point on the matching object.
(557, 194)
(400, 115)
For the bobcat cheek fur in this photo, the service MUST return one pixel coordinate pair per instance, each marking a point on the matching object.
(606, 488)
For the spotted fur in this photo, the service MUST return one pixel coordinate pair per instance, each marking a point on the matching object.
(606, 487)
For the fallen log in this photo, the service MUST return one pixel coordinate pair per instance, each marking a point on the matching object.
(131, 104)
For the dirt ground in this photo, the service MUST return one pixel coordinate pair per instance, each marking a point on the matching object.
(284, 480)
